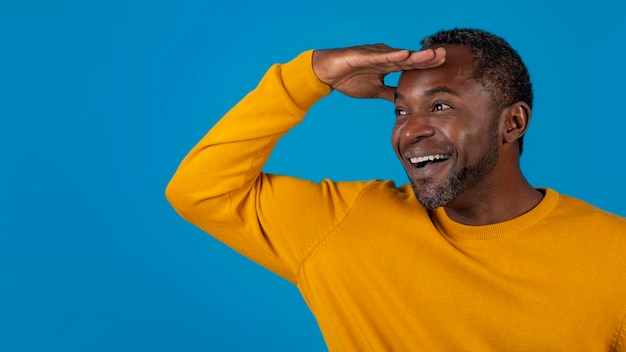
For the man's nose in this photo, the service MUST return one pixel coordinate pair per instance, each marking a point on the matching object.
(417, 127)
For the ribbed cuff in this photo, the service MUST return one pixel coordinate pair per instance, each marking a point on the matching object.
(301, 83)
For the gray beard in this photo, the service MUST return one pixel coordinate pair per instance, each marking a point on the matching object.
(432, 197)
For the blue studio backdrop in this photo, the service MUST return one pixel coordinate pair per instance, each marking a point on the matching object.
(100, 101)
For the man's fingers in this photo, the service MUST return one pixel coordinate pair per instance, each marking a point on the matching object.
(380, 56)
(392, 60)
(396, 56)
(440, 56)
(425, 58)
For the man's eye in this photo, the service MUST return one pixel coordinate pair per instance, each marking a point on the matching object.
(400, 112)
(441, 107)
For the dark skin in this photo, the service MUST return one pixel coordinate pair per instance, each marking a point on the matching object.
(442, 112)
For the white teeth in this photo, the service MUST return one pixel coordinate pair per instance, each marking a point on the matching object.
(420, 159)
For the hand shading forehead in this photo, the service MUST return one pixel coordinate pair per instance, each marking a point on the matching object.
(450, 77)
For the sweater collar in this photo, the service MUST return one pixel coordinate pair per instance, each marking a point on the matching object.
(455, 230)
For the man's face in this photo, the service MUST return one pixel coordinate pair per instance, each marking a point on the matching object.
(446, 130)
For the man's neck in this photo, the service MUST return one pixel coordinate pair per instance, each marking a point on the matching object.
(484, 207)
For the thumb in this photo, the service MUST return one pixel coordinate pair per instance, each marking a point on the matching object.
(388, 93)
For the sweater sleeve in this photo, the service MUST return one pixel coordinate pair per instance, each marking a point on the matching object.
(220, 187)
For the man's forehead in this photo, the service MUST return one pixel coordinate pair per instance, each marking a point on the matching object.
(430, 92)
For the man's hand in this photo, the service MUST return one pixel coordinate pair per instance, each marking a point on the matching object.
(360, 71)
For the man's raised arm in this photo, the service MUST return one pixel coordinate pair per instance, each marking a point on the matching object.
(220, 187)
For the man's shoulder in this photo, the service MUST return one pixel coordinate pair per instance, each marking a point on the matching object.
(577, 210)
(386, 197)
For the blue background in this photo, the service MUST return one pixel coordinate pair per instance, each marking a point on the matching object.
(100, 100)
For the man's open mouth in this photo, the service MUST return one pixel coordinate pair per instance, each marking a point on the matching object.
(422, 161)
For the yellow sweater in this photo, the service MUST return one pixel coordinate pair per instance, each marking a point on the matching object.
(381, 273)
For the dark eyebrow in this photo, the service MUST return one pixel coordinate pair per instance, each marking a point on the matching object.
(440, 90)
(430, 92)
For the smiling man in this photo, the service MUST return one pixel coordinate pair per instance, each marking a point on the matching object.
(459, 140)
(468, 256)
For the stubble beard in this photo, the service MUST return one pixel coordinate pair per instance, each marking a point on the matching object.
(432, 196)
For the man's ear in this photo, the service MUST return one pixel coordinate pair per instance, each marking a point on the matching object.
(516, 120)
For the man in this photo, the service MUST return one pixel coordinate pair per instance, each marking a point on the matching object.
(467, 257)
